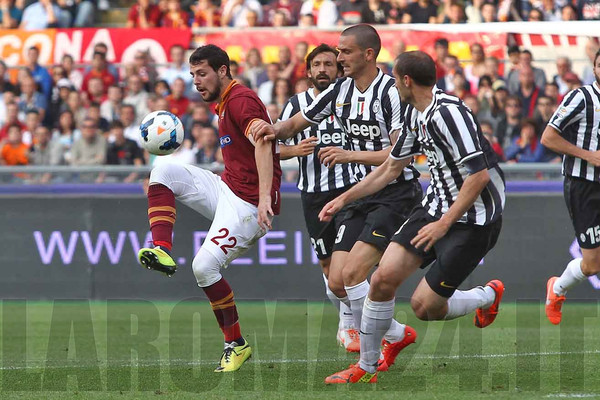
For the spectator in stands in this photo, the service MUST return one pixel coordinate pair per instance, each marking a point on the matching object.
(588, 9)
(5, 83)
(476, 69)
(109, 108)
(14, 151)
(441, 52)
(273, 111)
(145, 70)
(544, 110)
(41, 76)
(90, 149)
(12, 118)
(199, 114)
(376, 12)
(93, 113)
(397, 11)
(527, 92)
(525, 61)
(591, 47)
(58, 102)
(132, 128)
(569, 13)
(44, 14)
(351, 11)
(492, 68)
(73, 74)
(137, 97)
(324, 12)
(290, 9)
(498, 103)
(99, 71)
(510, 126)
(234, 12)
(178, 67)
(278, 19)
(32, 121)
(299, 61)
(550, 11)
(64, 136)
(489, 12)
(461, 86)
(454, 13)
(45, 151)
(175, 17)
(75, 105)
(31, 99)
(421, 12)
(514, 55)
(95, 92)
(252, 19)
(563, 67)
(81, 12)
(143, 14)
(282, 91)
(206, 150)
(526, 147)
(178, 103)
(101, 47)
(551, 90)
(162, 88)
(254, 70)
(206, 14)
(302, 85)
(488, 132)
(123, 151)
(265, 90)
(536, 15)
(287, 64)
(572, 80)
(451, 68)
(306, 20)
(485, 93)
(10, 14)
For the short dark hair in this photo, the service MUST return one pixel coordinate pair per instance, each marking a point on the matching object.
(99, 53)
(418, 65)
(322, 48)
(527, 52)
(366, 37)
(443, 42)
(513, 49)
(531, 122)
(116, 124)
(213, 55)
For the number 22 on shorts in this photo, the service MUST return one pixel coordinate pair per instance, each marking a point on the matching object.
(231, 241)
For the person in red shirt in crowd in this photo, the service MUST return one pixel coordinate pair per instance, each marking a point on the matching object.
(95, 93)
(14, 151)
(99, 70)
(441, 52)
(178, 103)
(206, 14)
(12, 118)
(143, 14)
(241, 203)
(175, 17)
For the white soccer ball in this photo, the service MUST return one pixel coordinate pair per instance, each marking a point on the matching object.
(162, 132)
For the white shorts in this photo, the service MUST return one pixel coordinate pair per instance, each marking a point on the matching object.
(234, 225)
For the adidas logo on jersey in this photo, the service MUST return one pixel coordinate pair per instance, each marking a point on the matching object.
(363, 129)
(331, 139)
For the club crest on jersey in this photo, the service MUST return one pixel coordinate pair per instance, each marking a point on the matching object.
(225, 140)
(376, 106)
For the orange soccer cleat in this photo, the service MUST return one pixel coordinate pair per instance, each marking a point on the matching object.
(554, 302)
(485, 316)
(354, 374)
(390, 350)
(350, 339)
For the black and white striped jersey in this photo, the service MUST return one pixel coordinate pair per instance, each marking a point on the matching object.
(578, 121)
(314, 176)
(368, 118)
(449, 135)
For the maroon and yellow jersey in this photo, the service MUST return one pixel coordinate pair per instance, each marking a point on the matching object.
(239, 107)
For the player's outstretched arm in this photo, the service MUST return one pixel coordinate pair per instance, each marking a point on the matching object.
(552, 139)
(373, 183)
(263, 154)
(282, 130)
(470, 190)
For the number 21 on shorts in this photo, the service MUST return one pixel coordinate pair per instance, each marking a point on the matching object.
(224, 241)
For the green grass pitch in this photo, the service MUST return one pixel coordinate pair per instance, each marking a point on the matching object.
(141, 350)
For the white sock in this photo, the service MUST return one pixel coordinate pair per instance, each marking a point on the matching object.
(357, 295)
(396, 332)
(330, 295)
(346, 317)
(464, 302)
(569, 278)
(376, 321)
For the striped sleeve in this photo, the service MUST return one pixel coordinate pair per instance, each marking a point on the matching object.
(569, 111)
(323, 106)
(396, 108)
(288, 111)
(407, 144)
(459, 130)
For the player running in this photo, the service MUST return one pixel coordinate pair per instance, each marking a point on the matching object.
(368, 108)
(318, 185)
(240, 203)
(458, 222)
(573, 131)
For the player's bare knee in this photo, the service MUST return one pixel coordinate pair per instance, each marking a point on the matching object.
(382, 286)
(206, 268)
(590, 264)
(421, 310)
(354, 273)
(337, 288)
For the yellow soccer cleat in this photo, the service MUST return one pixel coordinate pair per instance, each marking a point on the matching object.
(158, 260)
(233, 357)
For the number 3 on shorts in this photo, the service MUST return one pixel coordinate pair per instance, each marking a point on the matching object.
(340, 234)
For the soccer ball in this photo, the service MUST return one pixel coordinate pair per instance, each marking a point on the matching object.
(162, 132)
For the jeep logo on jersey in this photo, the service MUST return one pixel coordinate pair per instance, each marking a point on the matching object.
(337, 138)
(225, 140)
(363, 129)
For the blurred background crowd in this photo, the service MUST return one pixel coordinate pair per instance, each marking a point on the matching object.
(67, 114)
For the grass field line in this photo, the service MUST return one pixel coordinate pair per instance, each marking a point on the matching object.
(190, 363)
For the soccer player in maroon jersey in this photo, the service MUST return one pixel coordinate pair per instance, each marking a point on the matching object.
(241, 203)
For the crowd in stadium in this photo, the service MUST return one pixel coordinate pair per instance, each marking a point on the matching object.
(68, 115)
